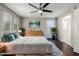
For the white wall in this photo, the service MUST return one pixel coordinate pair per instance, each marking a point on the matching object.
(14, 16)
(42, 20)
(43, 25)
(75, 30)
(71, 39)
(64, 36)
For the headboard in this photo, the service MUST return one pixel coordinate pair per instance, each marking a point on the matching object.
(34, 33)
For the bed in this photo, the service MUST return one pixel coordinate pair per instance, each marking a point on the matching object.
(29, 45)
(34, 33)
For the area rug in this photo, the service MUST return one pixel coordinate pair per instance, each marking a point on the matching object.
(56, 51)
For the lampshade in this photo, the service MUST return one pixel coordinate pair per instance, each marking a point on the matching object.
(19, 31)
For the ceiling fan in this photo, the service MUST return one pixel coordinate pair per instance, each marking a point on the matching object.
(41, 9)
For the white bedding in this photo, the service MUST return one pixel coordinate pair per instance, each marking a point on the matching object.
(29, 44)
(31, 40)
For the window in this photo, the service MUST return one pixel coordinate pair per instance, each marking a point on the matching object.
(6, 22)
(15, 24)
(50, 24)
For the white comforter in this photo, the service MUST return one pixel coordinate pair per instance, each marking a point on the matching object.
(29, 44)
(31, 40)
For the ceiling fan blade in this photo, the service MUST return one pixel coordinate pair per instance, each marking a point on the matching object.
(33, 6)
(40, 4)
(47, 11)
(33, 11)
(45, 5)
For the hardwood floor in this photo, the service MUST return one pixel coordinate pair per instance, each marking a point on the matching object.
(65, 48)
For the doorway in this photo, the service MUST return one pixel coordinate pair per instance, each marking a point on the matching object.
(66, 29)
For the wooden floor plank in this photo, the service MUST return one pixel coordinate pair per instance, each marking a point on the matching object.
(65, 48)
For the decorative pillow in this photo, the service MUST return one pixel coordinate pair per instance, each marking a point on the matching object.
(15, 35)
(8, 37)
(5, 38)
(11, 37)
(2, 39)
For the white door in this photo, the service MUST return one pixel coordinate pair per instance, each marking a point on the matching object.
(66, 29)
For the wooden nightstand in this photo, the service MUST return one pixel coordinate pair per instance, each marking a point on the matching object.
(2, 48)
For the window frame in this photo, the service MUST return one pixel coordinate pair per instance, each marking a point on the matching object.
(10, 20)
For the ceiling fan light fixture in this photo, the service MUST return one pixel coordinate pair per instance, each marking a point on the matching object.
(41, 8)
(40, 11)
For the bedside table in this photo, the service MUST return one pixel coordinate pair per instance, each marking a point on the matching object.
(2, 48)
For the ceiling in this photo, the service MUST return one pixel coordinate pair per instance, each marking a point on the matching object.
(23, 9)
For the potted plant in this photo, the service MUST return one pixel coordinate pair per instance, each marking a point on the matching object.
(54, 33)
(22, 33)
